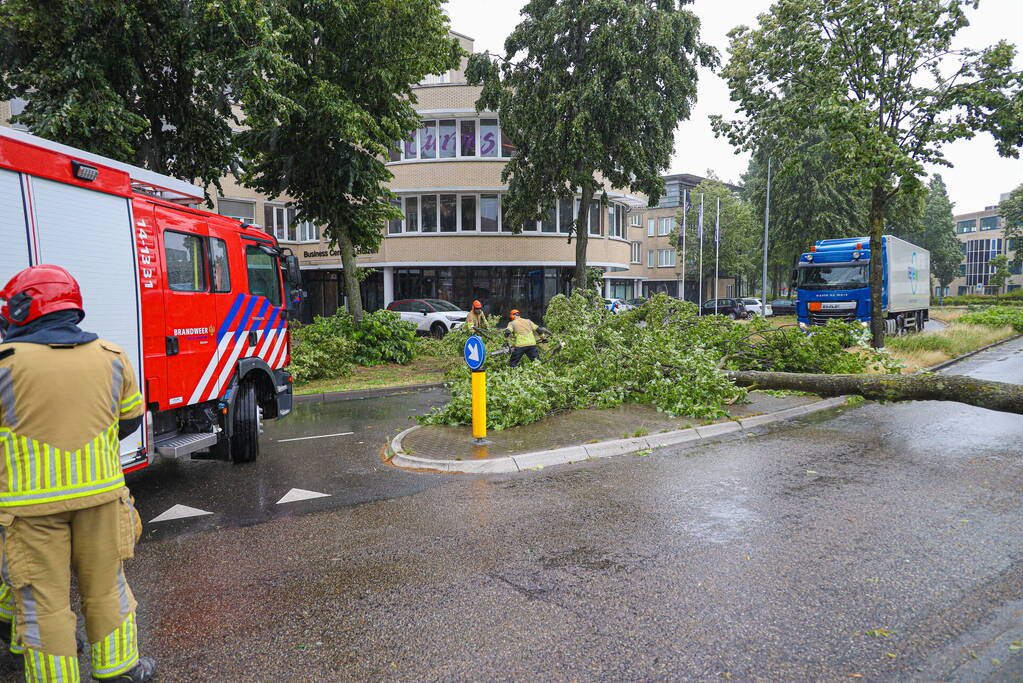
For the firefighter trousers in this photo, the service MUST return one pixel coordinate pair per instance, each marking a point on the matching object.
(38, 556)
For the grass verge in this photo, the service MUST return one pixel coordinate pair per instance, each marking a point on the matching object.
(923, 350)
(948, 314)
(420, 371)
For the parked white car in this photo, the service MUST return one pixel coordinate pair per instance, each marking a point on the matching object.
(753, 307)
(431, 316)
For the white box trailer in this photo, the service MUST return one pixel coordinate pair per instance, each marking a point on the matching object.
(908, 271)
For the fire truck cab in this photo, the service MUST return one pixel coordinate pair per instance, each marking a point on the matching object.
(198, 301)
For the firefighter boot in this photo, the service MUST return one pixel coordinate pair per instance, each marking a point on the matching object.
(143, 671)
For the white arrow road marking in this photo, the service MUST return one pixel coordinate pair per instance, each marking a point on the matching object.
(179, 512)
(301, 494)
(322, 436)
(474, 353)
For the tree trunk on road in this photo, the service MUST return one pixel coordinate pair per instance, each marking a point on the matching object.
(982, 393)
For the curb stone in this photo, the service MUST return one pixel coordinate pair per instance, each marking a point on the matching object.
(364, 393)
(604, 449)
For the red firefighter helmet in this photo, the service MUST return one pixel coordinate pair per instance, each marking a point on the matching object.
(514, 313)
(477, 304)
(38, 291)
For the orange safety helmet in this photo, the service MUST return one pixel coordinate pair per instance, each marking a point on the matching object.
(514, 313)
(477, 304)
(38, 291)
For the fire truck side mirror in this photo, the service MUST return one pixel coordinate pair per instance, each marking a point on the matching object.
(292, 271)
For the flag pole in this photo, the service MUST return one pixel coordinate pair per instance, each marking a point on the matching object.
(699, 274)
(717, 253)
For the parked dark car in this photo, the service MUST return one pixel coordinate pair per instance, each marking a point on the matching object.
(733, 308)
(784, 307)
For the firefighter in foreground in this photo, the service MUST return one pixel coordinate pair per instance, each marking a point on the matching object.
(523, 333)
(476, 320)
(66, 399)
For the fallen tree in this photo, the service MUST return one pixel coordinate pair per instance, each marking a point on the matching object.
(982, 393)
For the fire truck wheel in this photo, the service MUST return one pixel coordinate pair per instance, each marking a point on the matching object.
(245, 437)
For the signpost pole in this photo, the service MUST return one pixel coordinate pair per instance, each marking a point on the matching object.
(479, 404)
(475, 355)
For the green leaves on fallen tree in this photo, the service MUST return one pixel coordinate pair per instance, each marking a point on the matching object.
(661, 354)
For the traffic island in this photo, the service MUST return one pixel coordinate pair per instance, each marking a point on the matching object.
(584, 435)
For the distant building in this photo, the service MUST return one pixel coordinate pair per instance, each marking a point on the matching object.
(981, 236)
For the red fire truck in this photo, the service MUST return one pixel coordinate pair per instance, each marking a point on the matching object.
(199, 302)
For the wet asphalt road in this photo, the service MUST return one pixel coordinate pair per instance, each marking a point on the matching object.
(881, 543)
(347, 467)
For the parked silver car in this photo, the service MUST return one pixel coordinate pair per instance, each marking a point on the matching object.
(753, 307)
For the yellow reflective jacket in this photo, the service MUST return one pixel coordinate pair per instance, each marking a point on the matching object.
(523, 332)
(59, 412)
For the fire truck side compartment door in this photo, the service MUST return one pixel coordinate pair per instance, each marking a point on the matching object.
(90, 233)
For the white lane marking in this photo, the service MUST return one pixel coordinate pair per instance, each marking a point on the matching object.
(301, 494)
(322, 436)
(179, 512)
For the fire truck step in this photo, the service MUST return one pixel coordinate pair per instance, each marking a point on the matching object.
(184, 444)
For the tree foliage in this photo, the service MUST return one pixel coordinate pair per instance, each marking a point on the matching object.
(1000, 272)
(325, 101)
(145, 82)
(1011, 211)
(882, 84)
(590, 92)
(661, 354)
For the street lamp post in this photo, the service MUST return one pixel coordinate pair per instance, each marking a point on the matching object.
(767, 221)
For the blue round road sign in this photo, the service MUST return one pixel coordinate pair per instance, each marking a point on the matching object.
(475, 352)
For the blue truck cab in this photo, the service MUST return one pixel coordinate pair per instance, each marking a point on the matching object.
(832, 282)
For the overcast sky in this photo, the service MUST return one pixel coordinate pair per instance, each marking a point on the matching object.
(977, 179)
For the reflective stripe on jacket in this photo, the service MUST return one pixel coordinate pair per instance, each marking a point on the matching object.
(523, 332)
(59, 414)
(476, 321)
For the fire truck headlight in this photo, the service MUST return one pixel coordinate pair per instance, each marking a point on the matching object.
(84, 171)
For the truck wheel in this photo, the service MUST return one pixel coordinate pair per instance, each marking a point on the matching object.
(245, 437)
(437, 330)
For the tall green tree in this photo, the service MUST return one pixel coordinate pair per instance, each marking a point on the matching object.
(145, 82)
(1000, 274)
(738, 256)
(808, 203)
(881, 80)
(325, 101)
(938, 234)
(1011, 211)
(590, 92)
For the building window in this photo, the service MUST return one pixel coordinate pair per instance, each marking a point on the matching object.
(490, 138)
(240, 211)
(566, 215)
(490, 211)
(411, 214)
(436, 79)
(468, 212)
(549, 222)
(989, 223)
(961, 290)
(394, 225)
(448, 213)
(636, 220)
(966, 226)
(650, 227)
(280, 222)
(649, 258)
(637, 250)
(666, 226)
(428, 140)
(468, 138)
(665, 258)
(429, 212)
(448, 139)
